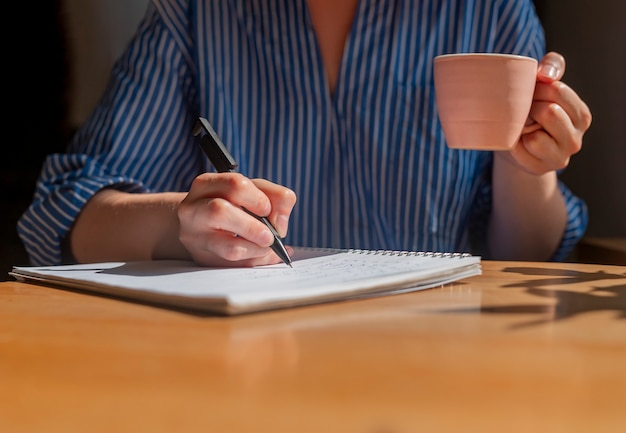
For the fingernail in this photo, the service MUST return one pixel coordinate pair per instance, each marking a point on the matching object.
(549, 71)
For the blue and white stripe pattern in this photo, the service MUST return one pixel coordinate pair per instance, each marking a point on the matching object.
(368, 162)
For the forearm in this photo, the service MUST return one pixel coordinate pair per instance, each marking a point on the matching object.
(529, 214)
(116, 225)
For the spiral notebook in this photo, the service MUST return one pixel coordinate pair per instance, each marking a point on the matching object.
(317, 276)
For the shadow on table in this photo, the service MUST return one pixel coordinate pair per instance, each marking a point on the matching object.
(568, 303)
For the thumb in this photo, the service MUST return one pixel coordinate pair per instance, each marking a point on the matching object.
(551, 67)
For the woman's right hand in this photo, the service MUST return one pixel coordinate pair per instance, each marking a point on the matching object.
(216, 231)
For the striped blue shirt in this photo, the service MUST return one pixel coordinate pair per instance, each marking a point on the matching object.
(368, 162)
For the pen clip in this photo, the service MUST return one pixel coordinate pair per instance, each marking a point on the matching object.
(213, 147)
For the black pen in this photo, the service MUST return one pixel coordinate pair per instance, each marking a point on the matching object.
(223, 161)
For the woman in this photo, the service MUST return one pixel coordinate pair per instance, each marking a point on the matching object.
(332, 102)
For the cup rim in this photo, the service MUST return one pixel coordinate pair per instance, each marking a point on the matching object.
(492, 55)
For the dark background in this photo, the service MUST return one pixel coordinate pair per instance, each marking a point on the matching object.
(35, 114)
(590, 35)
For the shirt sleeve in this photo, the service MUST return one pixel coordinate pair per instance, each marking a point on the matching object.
(137, 139)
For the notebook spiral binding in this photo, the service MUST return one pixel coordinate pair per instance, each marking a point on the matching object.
(391, 252)
(409, 253)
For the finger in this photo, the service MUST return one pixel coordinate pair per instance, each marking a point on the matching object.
(283, 200)
(228, 255)
(226, 248)
(558, 124)
(234, 187)
(542, 153)
(222, 216)
(551, 67)
(530, 157)
(523, 159)
(563, 95)
(531, 126)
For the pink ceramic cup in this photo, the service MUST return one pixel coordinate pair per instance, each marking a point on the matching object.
(483, 99)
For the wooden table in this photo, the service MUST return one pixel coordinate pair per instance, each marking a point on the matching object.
(526, 347)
